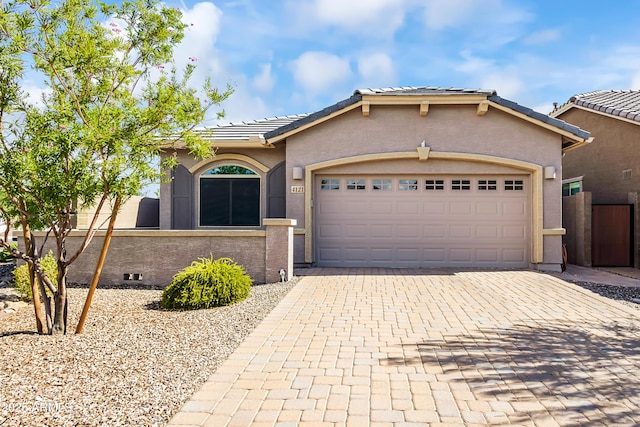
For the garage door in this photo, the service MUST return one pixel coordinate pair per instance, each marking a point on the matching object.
(427, 221)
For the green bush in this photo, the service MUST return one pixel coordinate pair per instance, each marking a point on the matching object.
(20, 276)
(5, 255)
(207, 283)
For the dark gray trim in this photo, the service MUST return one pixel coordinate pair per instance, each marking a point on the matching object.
(314, 116)
(277, 192)
(182, 201)
(539, 116)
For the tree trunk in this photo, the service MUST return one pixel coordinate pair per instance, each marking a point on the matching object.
(29, 247)
(98, 270)
(60, 302)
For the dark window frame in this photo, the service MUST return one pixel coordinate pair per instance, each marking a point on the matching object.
(230, 200)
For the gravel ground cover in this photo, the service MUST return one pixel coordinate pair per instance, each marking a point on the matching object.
(626, 295)
(134, 365)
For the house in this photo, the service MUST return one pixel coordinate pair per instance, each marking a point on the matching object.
(604, 178)
(396, 177)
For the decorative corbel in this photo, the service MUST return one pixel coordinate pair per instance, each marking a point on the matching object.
(424, 108)
(365, 108)
(483, 107)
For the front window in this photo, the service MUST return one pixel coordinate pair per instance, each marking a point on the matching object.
(229, 196)
(571, 188)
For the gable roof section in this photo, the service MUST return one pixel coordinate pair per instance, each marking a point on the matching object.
(244, 134)
(573, 136)
(621, 104)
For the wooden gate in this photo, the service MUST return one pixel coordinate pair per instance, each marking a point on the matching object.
(612, 235)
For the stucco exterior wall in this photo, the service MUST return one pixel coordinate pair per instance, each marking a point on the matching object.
(576, 217)
(615, 148)
(445, 129)
(141, 257)
(268, 157)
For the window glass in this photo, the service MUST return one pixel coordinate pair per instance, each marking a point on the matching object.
(229, 170)
(461, 184)
(487, 184)
(434, 184)
(571, 188)
(356, 184)
(382, 184)
(229, 196)
(514, 185)
(330, 184)
(408, 184)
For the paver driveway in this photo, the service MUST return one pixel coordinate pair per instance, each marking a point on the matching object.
(430, 347)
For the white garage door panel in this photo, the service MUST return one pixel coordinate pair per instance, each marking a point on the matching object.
(422, 227)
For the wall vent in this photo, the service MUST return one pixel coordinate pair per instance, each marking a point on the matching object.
(626, 174)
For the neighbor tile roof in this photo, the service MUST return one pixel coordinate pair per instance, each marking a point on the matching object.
(622, 103)
(246, 129)
(421, 91)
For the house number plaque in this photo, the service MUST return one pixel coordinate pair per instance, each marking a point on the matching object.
(297, 188)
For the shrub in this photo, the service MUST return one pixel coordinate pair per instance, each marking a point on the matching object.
(20, 276)
(207, 283)
(5, 255)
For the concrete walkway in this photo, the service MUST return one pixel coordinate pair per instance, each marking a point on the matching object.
(374, 347)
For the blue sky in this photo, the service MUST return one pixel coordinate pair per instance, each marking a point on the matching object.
(297, 56)
(288, 57)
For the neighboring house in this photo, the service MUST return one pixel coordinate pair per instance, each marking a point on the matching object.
(398, 177)
(136, 212)
(608, 170)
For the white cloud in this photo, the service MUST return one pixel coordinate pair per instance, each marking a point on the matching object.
(473, 64)
(440, 14)
(264, 81)
(542, 37)
(318, 71)
(635, 81)
(505, 82)
(204, 21)
(35, 93)
(355, 13)
(369, 18)
(377, 70)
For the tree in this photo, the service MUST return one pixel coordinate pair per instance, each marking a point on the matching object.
(113, 99)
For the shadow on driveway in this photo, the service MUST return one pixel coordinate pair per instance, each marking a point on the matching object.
(591, 378)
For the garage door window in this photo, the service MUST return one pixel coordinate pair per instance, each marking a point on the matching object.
(514, 185)
(408, 184)
(487, 184)
(330, 184)
(229, 196)
(356, 184)
(434, 184)
(382, 184)
(461, 184)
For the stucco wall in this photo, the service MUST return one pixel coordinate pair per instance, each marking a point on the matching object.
(445, 128)
(269, 157)
(615, 148)
(158, 255)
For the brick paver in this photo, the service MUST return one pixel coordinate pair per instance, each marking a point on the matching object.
(430, 347)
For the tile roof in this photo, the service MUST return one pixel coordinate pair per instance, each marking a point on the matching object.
(245, 130)
(421, 91)
(539, 116)
(621, 103)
